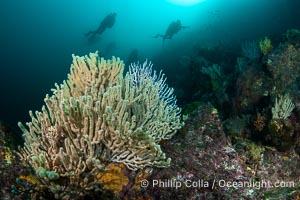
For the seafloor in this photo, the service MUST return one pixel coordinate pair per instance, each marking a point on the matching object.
(241, 151)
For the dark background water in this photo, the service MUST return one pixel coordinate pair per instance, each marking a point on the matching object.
(37, 38)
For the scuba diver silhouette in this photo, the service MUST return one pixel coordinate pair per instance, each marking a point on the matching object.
(172, 29)
(107, 22)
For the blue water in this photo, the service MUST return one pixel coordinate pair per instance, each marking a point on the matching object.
(37, 37)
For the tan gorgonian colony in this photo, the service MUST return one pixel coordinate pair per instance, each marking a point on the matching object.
(99, 116)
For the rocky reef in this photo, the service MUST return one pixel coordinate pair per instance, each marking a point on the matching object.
(240, 138)
(206, 164)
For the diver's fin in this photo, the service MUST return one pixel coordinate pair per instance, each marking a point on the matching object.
(158, 35)
(89, 33)
(184, 27)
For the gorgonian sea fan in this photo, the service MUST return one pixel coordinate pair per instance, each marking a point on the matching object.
(140, 73)
(250, 50)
